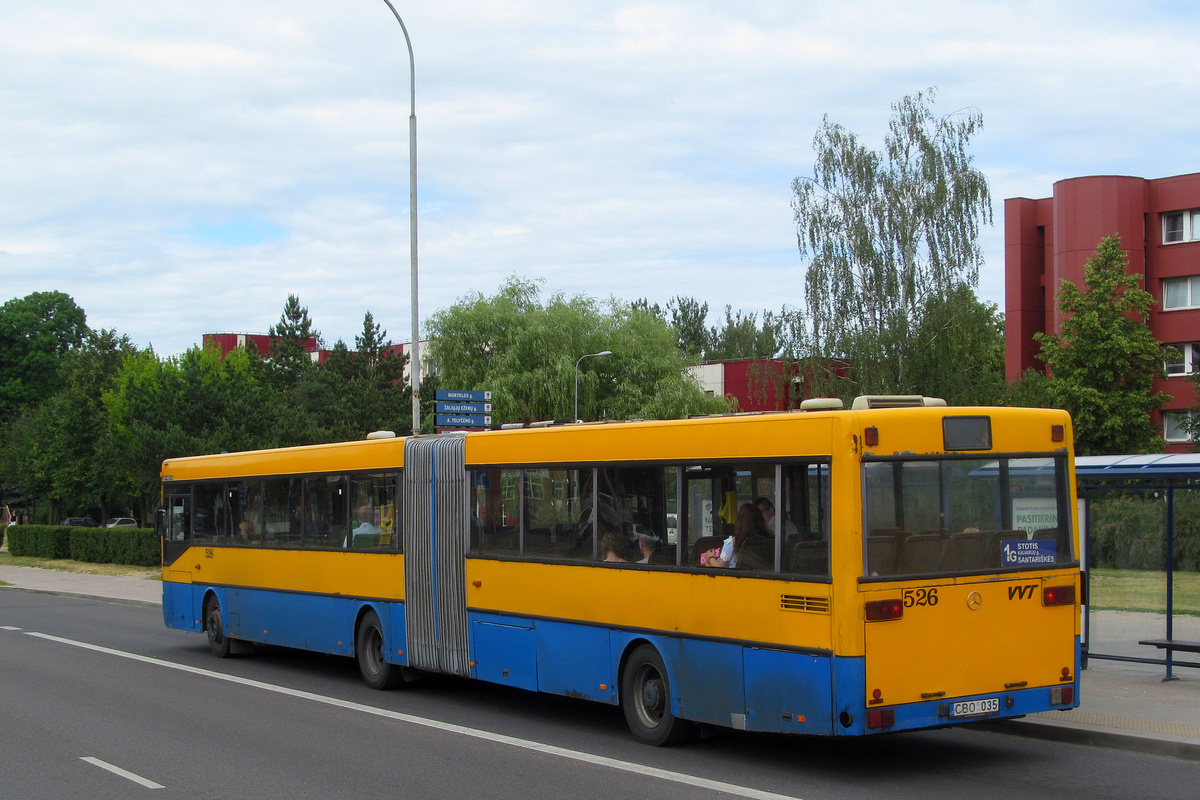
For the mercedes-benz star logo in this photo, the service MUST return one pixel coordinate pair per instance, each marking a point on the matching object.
(974, 601)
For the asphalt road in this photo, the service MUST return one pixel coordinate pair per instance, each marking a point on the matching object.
(107, 682)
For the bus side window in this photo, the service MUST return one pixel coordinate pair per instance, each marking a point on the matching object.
(178, 518)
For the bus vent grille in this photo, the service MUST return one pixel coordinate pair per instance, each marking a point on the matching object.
(796, 602)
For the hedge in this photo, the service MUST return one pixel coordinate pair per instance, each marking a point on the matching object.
(135, 546)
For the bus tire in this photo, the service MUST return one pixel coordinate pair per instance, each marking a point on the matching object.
(214, 628)
(376, 671)
(646, 700)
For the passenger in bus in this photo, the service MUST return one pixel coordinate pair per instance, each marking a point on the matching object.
(366, 525)
(748, 525)
(610, 548)
(245, 531)
(768, 514)
(648, 544)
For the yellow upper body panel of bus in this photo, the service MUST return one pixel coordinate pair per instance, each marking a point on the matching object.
(750, 436)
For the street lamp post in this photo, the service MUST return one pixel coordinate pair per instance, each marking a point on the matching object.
(581, 358)
(414, 364)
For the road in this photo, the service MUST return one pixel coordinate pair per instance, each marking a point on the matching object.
(153, 712)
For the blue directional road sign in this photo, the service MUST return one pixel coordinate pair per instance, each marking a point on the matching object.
(462, 421)
(464, 396)
(463, 408)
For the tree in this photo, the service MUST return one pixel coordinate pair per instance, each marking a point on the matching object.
(741, 337)
(884, 231)
(689, 320)
(36, 332)
(525, 352)
(1104, 361)
(956, 351)
(289, 339)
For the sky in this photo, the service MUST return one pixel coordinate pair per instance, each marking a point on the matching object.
(179, 167)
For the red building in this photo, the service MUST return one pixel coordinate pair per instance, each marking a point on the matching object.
(751, 383)
(226, 342)
(1047, 241)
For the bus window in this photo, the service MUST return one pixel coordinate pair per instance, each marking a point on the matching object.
(178, 518)
(965, 515)
(555, 524)
(326, 511)
(805, 503)
(495, 513)
(210, 519)
(373, 504)
(281, 504)
(632, 513)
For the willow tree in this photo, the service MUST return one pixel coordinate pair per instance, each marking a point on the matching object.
(526, 351)
(885, 230)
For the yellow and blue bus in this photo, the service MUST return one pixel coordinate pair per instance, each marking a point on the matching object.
(915, 564)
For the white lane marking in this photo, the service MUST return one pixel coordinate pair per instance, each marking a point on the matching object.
(8, 628)
(461, 730)
(149, 784)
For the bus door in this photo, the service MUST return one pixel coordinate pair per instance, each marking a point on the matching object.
(436, 541)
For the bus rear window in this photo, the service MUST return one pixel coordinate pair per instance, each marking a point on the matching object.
(960, 515)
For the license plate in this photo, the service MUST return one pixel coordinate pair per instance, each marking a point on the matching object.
(971, 708)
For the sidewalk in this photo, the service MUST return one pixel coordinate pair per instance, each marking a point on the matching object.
(1124, 705)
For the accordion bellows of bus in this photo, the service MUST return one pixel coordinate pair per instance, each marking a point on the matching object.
(897, 565)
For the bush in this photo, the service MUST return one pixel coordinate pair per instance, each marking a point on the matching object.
(1129, 530)
(135, 546)
(39, 541)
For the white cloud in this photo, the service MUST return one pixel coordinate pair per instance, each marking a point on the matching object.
(181, 167)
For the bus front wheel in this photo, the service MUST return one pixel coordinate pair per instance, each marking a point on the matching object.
(376, 671)
(646, 699)
(214, 629)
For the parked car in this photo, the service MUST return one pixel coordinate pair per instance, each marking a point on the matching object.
(80, 522)
(122, 522)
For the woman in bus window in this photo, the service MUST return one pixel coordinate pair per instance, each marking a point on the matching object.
(749, 523)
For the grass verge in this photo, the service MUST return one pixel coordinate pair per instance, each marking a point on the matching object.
(1143, 590)
(67, 565)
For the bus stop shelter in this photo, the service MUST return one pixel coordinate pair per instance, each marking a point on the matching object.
(1140, 524)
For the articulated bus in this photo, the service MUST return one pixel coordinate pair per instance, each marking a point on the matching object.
(919, 567)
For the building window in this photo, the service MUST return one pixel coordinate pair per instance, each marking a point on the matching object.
(1181, 226)
(1181, 293)
(1186, 360)
(1177, 425)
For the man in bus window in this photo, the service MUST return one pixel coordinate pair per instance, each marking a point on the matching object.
(768, 513)
(366, 526)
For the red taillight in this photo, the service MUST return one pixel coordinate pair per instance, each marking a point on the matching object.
(1058, 595)
(881, 717)
(884, 609)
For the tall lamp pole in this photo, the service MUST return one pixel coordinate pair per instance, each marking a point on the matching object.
(414, 364)
(581, 358)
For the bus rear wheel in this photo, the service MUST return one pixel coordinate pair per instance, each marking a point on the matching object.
(214, 628)
(646, 699)
(376, 671)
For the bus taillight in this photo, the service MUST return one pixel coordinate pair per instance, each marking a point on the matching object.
(1058, 595)
(884, 609)
(881, 718)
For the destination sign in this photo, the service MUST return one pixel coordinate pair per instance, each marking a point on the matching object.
(464, 396)
(463, 408)
(463, 421)
(1022, 553)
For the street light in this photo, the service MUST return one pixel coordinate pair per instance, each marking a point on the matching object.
(414, 365)
(581, 358)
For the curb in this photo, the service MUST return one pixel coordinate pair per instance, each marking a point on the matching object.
(1096, 736)
(125, 601)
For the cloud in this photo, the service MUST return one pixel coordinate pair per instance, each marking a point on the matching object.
(182, 167)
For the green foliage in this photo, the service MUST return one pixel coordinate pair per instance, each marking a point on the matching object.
(1104, 361)
(36, 332)
(137, 546)
(526, 353)
(956, 351)
(741, 337)
(884, 233)
(1128, 531)
(39, 541)
(689, 320)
